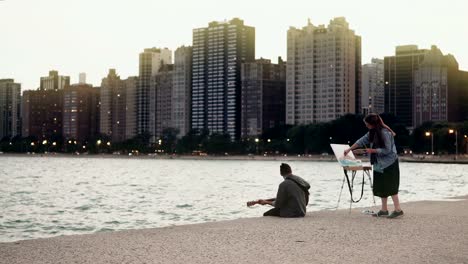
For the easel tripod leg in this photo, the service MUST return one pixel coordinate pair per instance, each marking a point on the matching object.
(339, 197)
(353, 173)
(372, 187)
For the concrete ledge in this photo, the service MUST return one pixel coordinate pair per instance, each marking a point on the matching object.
(429, 232)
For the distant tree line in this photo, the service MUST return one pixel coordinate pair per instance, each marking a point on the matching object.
(286, 139)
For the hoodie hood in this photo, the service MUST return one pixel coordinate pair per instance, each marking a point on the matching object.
(300, 181)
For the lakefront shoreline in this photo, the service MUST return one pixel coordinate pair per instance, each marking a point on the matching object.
(429, 232)
(417, 158)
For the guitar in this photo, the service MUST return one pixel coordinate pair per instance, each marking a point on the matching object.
(260, 201)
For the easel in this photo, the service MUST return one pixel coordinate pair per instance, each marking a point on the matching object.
(365, 171)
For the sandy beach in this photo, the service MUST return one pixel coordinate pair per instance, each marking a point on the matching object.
(429, 232)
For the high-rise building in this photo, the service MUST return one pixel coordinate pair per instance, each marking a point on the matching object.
(10, 108)
(263, 96)
(163, 88)
(373, 87)
(398, 85)
(42, 114)
(423, 85)
(323, 73)
(436, 90)
(182, 88)
(54, 81)
(80, 112)
(131, 84)
(218, 52)
(113, 107)
(118, 107)
(463, 95)
(151, 61)
(82, 78)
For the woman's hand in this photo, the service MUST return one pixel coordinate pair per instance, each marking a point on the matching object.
(347, 151)
(371, 151)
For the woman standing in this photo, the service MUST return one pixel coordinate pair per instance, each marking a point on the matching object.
(384, 158)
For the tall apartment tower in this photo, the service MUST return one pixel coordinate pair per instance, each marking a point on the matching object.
(151, 61)
(42, 114)
(82, 78)
(399, 78)
(182, 89)
(436, 90)
(10, 108)
(323, 73)
(131, 84)
(54, 81)
(263, 96)
(113, 104)
(163, 81)
(80, 112)
(373, 87)
(218, 52)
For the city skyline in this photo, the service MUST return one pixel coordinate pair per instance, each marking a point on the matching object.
(73, 37)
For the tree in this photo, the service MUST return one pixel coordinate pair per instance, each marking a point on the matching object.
(217, 143)
(169, 139)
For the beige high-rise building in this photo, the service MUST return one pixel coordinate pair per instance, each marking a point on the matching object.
(112, 122)
(151, 60)
(163, 108)
(54, 81)
(131, 84)
(323, 79)
(118, 107)
(181, 92)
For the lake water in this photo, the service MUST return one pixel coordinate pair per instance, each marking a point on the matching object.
(44, 196)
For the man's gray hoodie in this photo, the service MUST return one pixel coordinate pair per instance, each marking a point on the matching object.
(291, 198)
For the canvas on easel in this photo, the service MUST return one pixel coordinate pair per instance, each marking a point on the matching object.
(345, 161)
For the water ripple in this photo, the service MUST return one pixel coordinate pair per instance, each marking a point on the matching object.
(79, 196)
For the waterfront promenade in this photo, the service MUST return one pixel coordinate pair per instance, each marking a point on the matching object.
(429, 232)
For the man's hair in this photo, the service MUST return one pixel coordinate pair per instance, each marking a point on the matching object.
(285, 169)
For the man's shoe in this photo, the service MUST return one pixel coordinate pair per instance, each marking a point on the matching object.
(395, 214)
(380, 213)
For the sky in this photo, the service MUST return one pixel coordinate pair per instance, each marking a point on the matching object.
(92, 36)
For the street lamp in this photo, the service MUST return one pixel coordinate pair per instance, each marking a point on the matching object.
(98, 142)
(256, 144)
(451, 131)
(432, 141)
(466, 144)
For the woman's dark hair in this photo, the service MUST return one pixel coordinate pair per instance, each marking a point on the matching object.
(285, 169)
(375, 134)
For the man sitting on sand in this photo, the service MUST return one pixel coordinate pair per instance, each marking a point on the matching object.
(292, 196)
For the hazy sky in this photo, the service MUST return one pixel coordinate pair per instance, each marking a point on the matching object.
(91, 36)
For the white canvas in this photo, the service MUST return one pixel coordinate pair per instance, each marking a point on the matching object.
(348, 160)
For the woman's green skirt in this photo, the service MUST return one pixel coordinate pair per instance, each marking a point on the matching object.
(386, 183)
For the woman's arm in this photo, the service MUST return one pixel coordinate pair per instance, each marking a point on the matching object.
(364, 140)
(387, 137)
